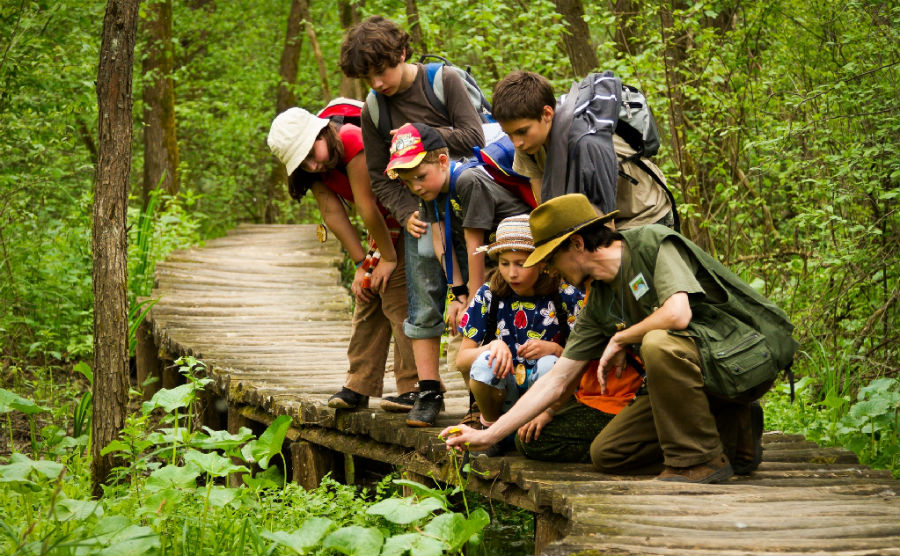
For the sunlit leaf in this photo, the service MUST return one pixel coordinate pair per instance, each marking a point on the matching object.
(403, 510)
(355, 541)
(415, 544)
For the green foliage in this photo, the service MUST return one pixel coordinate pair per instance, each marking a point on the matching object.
(171, 498)
(868, 425)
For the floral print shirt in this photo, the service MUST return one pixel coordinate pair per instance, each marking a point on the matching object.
(520, 319)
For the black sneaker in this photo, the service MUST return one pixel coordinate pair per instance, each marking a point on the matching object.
(401, 403)
(348, 399)
(425, 411)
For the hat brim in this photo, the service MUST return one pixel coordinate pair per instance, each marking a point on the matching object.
(305, 143)
(544, 250)
(404, 163)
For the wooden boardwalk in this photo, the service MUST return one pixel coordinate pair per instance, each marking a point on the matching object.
(263, 308)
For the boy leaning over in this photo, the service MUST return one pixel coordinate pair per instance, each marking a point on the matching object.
(466, 207)
(377, 51)
(545, 135)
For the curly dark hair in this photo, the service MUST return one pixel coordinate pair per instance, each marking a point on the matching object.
(373, 45)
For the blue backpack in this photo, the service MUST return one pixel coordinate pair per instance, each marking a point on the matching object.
(381, 115)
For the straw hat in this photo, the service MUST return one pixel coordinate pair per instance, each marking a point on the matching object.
(513, 234)
(554, 221)
(292, 135)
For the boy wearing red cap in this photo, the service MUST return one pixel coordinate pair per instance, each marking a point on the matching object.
(463, 207)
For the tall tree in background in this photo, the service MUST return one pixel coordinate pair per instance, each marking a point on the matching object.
(414, 26)
(158, 95)
(577, 38)
(110, 284)
(349, 14)
(317, 51)
(285, 98)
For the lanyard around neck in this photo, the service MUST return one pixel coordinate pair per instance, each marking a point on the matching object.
(448, 235)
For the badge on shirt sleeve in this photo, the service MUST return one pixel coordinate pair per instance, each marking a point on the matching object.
(638, 286)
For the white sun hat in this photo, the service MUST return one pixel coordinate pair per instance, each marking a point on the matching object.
(292, 135)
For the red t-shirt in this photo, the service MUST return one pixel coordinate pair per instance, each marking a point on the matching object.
(337, 180)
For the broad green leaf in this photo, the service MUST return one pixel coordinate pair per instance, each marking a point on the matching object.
(170, 399)
(404, 510)
(269, 444)
(870, 408)
(221, 496)
(164, 498)
(221, 440)
(20, 467)
(355, 541)
(455, 529)
(84, 369)
(415, 544)
(306, 538)
(270, 478)
(423, 491)
(122, 537)
(76, 510)
(212, 463)
(10, 401)
(173, 476)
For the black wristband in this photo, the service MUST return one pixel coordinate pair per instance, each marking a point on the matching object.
(459, 290)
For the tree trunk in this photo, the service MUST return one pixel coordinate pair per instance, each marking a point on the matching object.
(114, 100)
(414, 26)
(317, 52)
(284, 99)
(349, 87)
(158, 94)
(577, 38)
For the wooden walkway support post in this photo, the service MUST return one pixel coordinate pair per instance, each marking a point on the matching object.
(311, 463)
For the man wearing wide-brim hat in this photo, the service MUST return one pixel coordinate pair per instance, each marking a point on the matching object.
(709, 343)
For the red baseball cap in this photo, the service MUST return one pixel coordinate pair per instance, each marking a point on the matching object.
(410, 145)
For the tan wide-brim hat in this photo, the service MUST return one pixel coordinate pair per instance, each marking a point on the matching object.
(554, 221)
(292, 136)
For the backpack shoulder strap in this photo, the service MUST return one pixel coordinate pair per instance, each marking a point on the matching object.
(380, 113)
(434, 92)
(646, 169)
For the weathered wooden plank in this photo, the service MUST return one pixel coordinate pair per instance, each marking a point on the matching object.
(264, 309)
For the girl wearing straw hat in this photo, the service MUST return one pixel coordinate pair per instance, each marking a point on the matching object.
(515, 327)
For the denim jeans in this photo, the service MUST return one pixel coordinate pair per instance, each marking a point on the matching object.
(426, 287)
(482, 372)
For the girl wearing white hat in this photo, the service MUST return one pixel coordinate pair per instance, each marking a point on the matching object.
(328, 158)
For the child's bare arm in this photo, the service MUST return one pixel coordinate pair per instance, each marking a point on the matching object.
(474, 240)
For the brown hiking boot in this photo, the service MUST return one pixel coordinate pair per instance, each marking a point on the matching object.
(714, 471)
(472, 418)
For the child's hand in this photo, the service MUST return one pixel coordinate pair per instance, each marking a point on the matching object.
(535, 349)
(455, 312)
(363, 295)
(500, 360)
(416, 227)
(381, 274)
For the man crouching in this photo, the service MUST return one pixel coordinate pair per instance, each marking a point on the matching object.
(709, 344)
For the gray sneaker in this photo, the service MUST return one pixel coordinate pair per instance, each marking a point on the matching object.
(426, 409)
(401, 403)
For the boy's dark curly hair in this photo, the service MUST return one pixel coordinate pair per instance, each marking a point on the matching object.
(373, 45)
